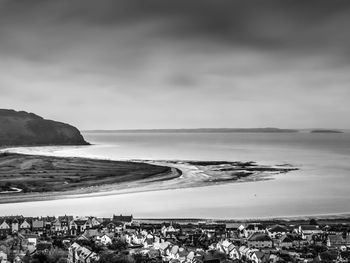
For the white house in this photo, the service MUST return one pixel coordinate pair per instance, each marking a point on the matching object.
(277, 231)
(15, 225)
(105, 240)
(3, 257)
(25, 225)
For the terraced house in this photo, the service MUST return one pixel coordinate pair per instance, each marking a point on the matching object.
(260, 240)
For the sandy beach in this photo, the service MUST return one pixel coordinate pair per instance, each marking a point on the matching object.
(52, 178)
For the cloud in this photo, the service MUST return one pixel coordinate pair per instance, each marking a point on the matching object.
(180, 63)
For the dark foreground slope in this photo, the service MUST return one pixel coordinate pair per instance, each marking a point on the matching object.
(23, 128)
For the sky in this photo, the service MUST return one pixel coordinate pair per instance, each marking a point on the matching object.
(140, 64)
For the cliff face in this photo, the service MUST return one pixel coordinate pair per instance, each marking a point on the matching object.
(23, 128)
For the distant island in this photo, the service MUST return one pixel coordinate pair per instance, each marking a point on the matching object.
(325, 131)
(20, 128)
(201, 130)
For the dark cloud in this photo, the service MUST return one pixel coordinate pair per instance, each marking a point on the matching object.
(225, 53)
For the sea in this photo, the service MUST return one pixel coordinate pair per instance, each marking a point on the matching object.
(320, 187)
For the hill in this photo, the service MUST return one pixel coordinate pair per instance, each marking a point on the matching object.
(20, 128)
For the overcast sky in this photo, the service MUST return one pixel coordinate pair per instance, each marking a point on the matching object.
(123, 64)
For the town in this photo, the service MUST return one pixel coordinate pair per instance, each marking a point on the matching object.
(125, 239)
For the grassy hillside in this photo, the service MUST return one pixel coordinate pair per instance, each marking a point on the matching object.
(23, 128)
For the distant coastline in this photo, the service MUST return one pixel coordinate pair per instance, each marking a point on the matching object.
(220, 130)
(325, 131)
(200, 130)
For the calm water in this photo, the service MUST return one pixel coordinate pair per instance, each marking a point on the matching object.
(320, 187)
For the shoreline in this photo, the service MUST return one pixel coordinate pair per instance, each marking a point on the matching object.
(182, 174)
(224, 194)
(326, 217)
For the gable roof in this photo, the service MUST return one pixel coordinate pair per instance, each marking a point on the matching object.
(38, 223)
(339, 239)
(278, 229)
(80, 222)
(309, 227)
(65, 218)
(89, 233)
(286, 239)
(259, 237)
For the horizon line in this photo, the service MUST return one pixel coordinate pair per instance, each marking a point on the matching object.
(222, 129)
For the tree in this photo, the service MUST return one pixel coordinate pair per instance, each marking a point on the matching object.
(140, 258)
(118, 245)
(313, 222)
(53, 256)
(114, 258)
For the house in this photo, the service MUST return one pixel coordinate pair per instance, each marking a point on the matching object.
(43, 247)
(308, 230)
(5, 228)
(259, 257)
(25, 225)
(246, 252)
(190, 257)
(337, 241)
(78, 226)
(93, 222)
(327, 256)
(64, 223)
(148, 241)
(15, 225)
(162, 246)
(168, 230)
(153, 253)
(135, 239)
(111, 226)
(17, 259)
(260, 240)
(173, 253)
(277, 231)
(48, 223)
(104, 239)
(297, 241)
(38, 226)
(32, 241)
(316, 239)
(91, 233)
(228, 248)
(124, 219)
(56, 226)
(254, 228)
(285, 242)
(3, 257)
(80, 254)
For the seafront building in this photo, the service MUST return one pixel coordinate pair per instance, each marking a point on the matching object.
(91, 239)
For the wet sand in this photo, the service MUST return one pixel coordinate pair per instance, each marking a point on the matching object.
(52, 178)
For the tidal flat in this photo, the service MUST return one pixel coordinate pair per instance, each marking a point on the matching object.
(34, 177)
